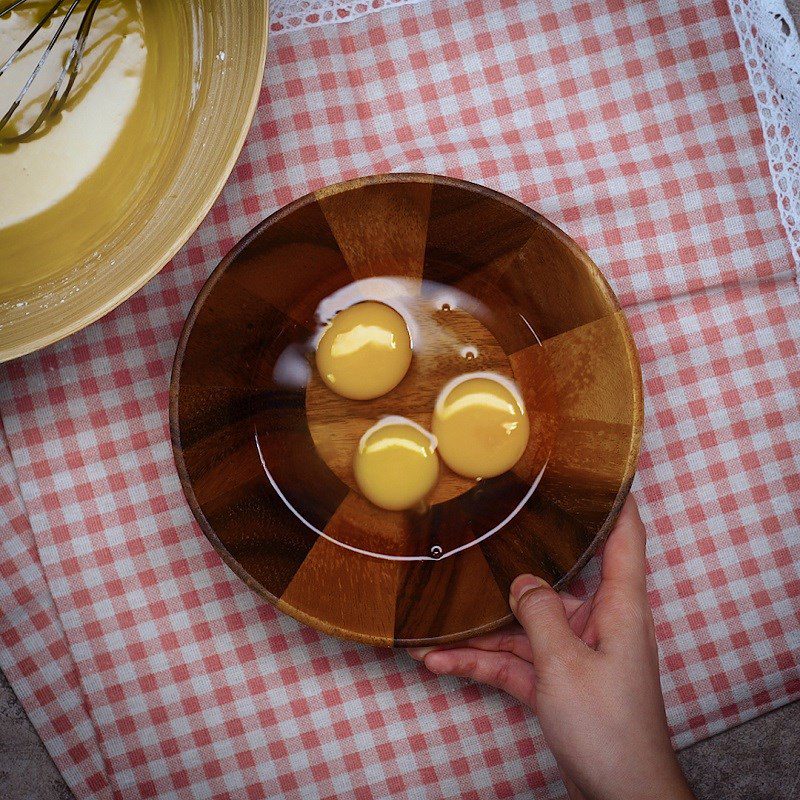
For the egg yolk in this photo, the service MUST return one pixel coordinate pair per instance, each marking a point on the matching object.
(365, 351)
(396, 465)
(480, 425)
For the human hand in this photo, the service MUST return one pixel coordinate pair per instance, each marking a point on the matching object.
(590, 671)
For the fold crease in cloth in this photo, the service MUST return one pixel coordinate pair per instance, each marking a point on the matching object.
(34, 652)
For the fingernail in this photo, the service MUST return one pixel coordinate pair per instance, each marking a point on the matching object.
(522, 584)
(419, 653)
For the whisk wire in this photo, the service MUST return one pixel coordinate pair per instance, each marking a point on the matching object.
(29, 38)
(57, 99)
(73, 64)
(11, 6)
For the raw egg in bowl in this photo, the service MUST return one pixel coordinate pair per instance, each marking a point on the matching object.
(422, 389)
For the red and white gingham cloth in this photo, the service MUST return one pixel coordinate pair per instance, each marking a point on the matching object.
(151, 671)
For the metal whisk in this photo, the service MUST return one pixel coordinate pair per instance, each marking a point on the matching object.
(66, 78)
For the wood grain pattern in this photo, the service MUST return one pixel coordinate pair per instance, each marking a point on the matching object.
(545, 540)
(226, 489)
(597, 415)
(388, 234)
(588, 381)
(534, 373)
(362, 525)
(355, 599)
(524, 295)
(301, 256)
(435, 597)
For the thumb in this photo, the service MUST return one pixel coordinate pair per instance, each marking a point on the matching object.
(541, 613)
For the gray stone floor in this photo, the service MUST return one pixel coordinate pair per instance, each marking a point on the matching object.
(759, 760)
(26, 770)
(756, 761)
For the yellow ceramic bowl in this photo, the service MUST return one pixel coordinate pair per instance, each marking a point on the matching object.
(103, 242)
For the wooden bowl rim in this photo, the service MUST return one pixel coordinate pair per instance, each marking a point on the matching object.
(345, 186)
(181, 237)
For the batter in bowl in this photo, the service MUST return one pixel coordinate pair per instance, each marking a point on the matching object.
(76, 183)
(45, 170)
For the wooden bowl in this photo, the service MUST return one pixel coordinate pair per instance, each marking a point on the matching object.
(265, 460)
(117, 230)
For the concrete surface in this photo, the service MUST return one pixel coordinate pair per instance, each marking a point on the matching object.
(759, 760)
(794, 10)
(26, 770)
(756, 761)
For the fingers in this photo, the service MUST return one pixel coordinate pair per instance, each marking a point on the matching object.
(624, 560)
(579, 619)
(508, 640)
(542, 615)
(512, 639)
(501, 670)
(571, 603)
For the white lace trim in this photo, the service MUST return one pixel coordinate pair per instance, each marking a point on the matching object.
(771, 49)
(289, 15)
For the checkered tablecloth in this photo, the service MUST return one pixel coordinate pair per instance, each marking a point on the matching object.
(151, 671)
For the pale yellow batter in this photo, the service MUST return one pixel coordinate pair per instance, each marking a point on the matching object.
(38, 174)
(69, 194)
